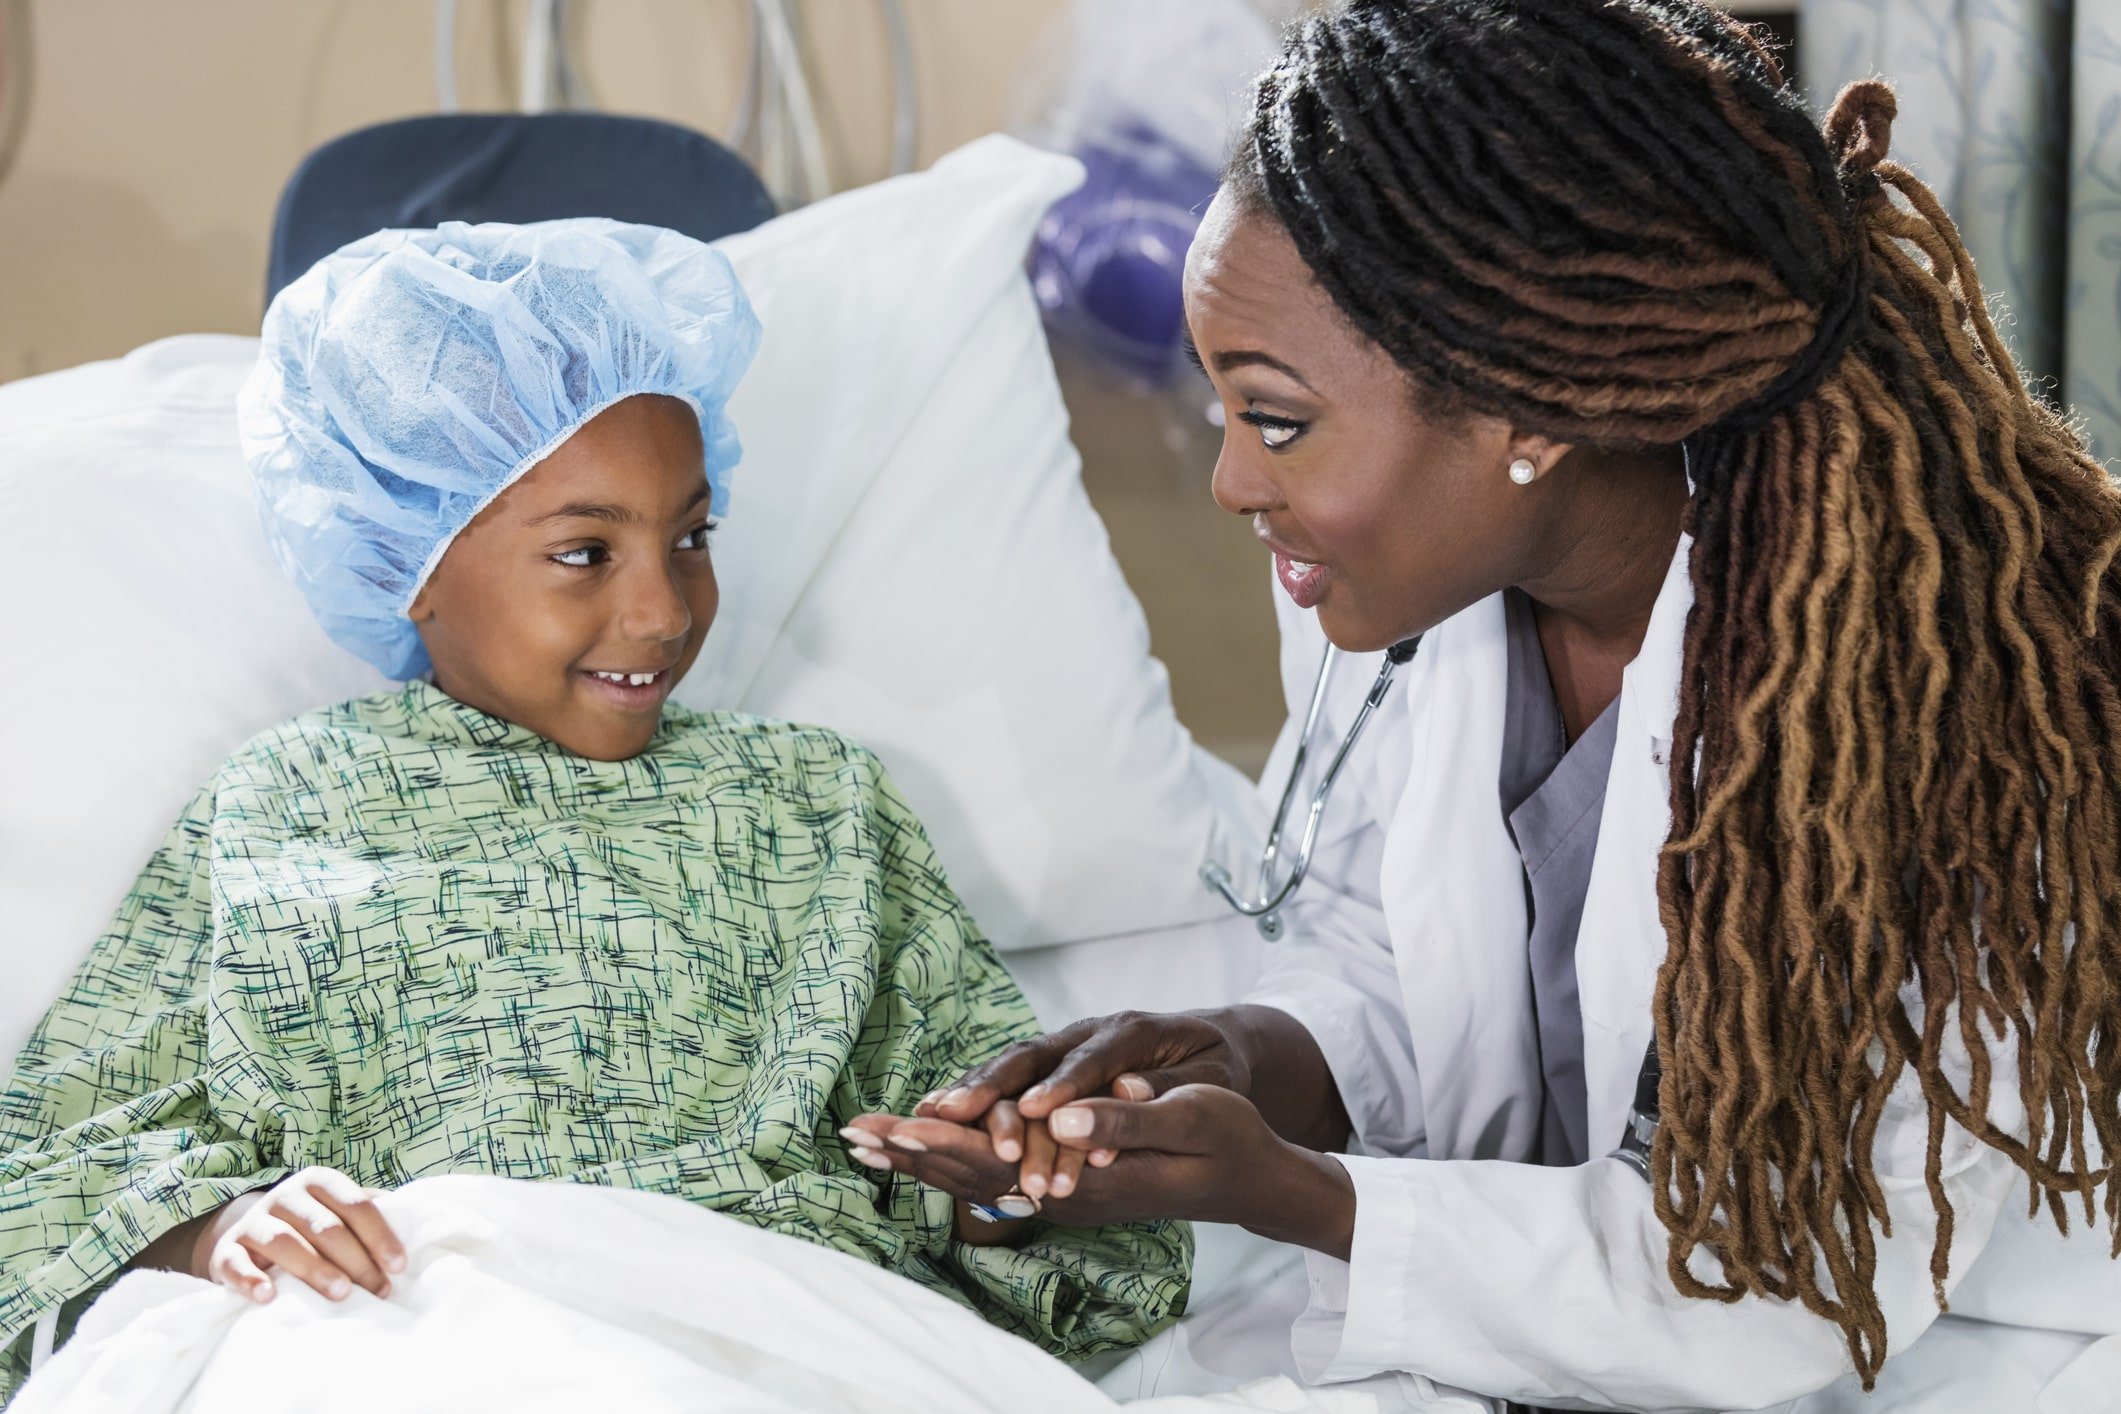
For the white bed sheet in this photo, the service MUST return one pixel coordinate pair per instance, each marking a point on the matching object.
(563, 1297)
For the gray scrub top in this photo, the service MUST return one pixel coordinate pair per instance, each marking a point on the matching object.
(1553, 795)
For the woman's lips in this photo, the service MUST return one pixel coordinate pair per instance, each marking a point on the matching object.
(1304, 583)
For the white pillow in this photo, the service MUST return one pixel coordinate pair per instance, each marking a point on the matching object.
(910, 559)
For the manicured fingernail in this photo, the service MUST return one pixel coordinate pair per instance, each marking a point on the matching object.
(860, 1138)
(1133, 1087)
(905, 1141)
(395, 1262)
(955, 1095)
(337, 1290)
(384, 1294)
(1008, 1150)
(262, 1293)
(872, 1158)
(1036, 1092)
(1035, 1185)
(930, 1098)
(1062, 1185)
(1071, 1124)
(1102, 1158)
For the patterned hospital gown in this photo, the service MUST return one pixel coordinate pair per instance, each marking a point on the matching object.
(400, 937)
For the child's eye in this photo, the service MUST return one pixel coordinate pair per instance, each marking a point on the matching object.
(581, 558)
(1273, 431)
(700, 536)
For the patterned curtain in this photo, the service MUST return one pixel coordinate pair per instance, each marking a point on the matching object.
(2011, 111)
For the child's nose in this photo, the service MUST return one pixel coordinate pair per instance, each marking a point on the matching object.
(653, 608)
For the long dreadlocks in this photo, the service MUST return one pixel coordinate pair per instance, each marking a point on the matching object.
(1896, 782)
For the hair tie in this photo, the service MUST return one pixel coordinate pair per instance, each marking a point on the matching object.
(1840, 320)
(1859, 127)
(1859, 130)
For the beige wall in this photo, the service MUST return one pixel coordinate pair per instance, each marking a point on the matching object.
(160, 132)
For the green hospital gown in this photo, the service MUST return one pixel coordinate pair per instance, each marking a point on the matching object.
(400, 937)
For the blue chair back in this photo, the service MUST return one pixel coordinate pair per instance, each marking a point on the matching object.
(513, 167)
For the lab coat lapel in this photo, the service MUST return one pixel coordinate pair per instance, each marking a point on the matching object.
(1454, 894)
(1621, 942)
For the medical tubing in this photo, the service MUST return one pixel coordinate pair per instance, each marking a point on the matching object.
(574, 92)
(536, 78)
(16, 67)
(799, 108)
(905, 94)
(745, 119)
(446, 55)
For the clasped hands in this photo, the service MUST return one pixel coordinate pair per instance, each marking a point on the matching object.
(1125, 1118)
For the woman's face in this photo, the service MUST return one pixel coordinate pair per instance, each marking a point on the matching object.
(1385, 518)
(576, 601)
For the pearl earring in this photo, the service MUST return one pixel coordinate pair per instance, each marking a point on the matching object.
(1522, 471)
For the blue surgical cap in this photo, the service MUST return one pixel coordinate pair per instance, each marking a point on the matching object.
(408, 379)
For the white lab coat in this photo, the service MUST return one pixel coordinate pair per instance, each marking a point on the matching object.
(1406, 959)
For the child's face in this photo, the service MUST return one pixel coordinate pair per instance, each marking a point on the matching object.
(594, 564)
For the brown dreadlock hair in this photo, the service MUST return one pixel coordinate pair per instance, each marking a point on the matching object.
(1896, 774)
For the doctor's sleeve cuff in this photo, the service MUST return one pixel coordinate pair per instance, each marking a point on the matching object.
(1356, 1323)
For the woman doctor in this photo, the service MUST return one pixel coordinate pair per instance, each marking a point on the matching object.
(1767, 713)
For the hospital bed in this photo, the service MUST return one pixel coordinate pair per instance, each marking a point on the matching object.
(910, 558)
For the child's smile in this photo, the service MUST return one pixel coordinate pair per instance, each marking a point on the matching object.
(631, 691)
(578, 600)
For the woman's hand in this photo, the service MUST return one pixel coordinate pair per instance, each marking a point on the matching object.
(977, 1163)
(1259, 1052)
(317, 1226)
(1090, 1057)
(1198, 1151)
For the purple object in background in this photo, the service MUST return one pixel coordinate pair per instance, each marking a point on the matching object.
(1107, 261)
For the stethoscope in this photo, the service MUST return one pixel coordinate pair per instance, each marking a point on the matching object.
(1265, 911)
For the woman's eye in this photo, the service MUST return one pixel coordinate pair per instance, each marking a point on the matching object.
(581, 559)
(1273, 431)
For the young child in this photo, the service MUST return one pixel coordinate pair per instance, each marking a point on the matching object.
(521, 917)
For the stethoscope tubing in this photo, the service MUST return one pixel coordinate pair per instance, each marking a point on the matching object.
(1265, 911)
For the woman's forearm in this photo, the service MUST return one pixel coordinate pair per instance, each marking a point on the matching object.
(1309, 1201)
(1289, 1081)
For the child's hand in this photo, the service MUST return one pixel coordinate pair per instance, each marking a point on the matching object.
(959, 1159)
(318, 1226)
(1045, 1169)
(1000, 1161)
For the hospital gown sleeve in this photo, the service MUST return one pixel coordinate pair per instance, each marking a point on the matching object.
(1333, 970)
(110, 1134)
